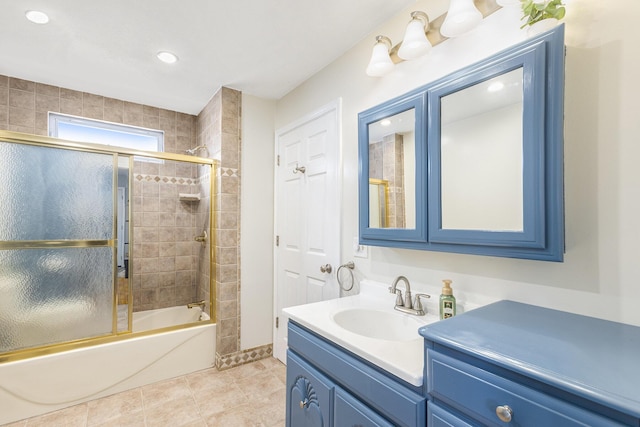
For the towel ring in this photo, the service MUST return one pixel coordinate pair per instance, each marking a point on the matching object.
(350, 266)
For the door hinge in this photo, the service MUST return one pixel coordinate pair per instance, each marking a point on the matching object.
(277, 240)
(278, 160)
(277, 322)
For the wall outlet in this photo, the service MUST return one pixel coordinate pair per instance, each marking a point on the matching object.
(360, 251)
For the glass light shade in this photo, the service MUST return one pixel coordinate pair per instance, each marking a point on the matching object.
(461, 18)
(380, 63)
(415, 42)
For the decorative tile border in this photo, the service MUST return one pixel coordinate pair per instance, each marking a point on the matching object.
(245, 356)
(228, 171)
(171, 179)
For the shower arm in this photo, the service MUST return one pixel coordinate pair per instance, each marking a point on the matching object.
(194, 150)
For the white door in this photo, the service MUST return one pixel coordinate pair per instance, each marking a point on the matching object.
(307, 212)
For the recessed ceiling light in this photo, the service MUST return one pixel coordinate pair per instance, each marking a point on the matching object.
(36, 16)
(167, 57)
(385, 122)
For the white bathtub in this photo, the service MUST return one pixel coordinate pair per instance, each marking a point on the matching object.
(165, 317)
(43, 384)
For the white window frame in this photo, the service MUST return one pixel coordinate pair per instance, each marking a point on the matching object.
(56, 118)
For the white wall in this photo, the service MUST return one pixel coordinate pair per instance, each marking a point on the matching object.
(256, 223)
(601, 271)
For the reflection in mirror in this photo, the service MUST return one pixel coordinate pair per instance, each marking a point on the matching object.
(392, 172)
(378, 203)
(482, 155)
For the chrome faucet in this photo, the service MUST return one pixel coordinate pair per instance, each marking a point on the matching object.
(406, 305)
(200, 304)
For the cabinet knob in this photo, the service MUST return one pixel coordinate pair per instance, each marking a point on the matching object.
(505, 413)
(304, 403)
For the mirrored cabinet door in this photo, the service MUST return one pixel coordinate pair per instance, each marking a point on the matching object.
(392, 156)
(487, 139)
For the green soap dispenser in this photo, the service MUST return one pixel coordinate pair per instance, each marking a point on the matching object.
(447, 301)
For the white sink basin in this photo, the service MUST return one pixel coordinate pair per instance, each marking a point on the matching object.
(380, 324)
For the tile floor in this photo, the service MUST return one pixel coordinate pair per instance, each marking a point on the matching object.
(247, 395)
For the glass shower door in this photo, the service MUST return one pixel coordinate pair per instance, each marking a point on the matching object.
(57, 245)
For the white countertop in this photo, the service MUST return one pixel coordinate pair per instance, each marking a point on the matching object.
(404, 359)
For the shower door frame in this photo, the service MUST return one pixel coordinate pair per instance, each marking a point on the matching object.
(116, 152)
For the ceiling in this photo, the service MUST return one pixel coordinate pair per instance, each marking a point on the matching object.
(263, 48)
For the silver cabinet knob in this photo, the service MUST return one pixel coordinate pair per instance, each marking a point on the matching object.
(304, 403)
(505, 413)
(326, 268)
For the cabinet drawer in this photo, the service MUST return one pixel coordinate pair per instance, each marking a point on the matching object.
(438, 417)
(349, 411)
(309, 395)
(478, 393)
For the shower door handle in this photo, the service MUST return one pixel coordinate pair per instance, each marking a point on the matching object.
(326, 268)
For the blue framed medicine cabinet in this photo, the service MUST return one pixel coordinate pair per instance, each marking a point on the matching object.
(473, 162)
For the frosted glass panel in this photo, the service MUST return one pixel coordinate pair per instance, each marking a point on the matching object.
(54, 295)
(52, 193)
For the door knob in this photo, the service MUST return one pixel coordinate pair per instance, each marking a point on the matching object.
(326, 268)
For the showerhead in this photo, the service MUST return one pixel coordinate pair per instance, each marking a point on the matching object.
(194, 150)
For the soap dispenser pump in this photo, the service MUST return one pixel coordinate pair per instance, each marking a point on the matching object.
(447, 301)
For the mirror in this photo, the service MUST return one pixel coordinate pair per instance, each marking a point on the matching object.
(488, 159)
(392, 162)
(481, 155)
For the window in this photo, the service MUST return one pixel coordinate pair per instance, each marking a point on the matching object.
(99, 132)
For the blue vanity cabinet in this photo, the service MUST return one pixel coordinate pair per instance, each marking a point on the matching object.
(342, 389)
(515, 364)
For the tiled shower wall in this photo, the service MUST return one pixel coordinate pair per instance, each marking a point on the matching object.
(219, 129)
(165, 271)
(23, 108)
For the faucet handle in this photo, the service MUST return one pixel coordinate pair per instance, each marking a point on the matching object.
(418, 304)
(399, 300)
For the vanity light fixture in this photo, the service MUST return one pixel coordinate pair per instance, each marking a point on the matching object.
(422, 34)
(380, 63)
(414, 45)
(167, 57)
(462, 17)
(415, 42)
(36, 16)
